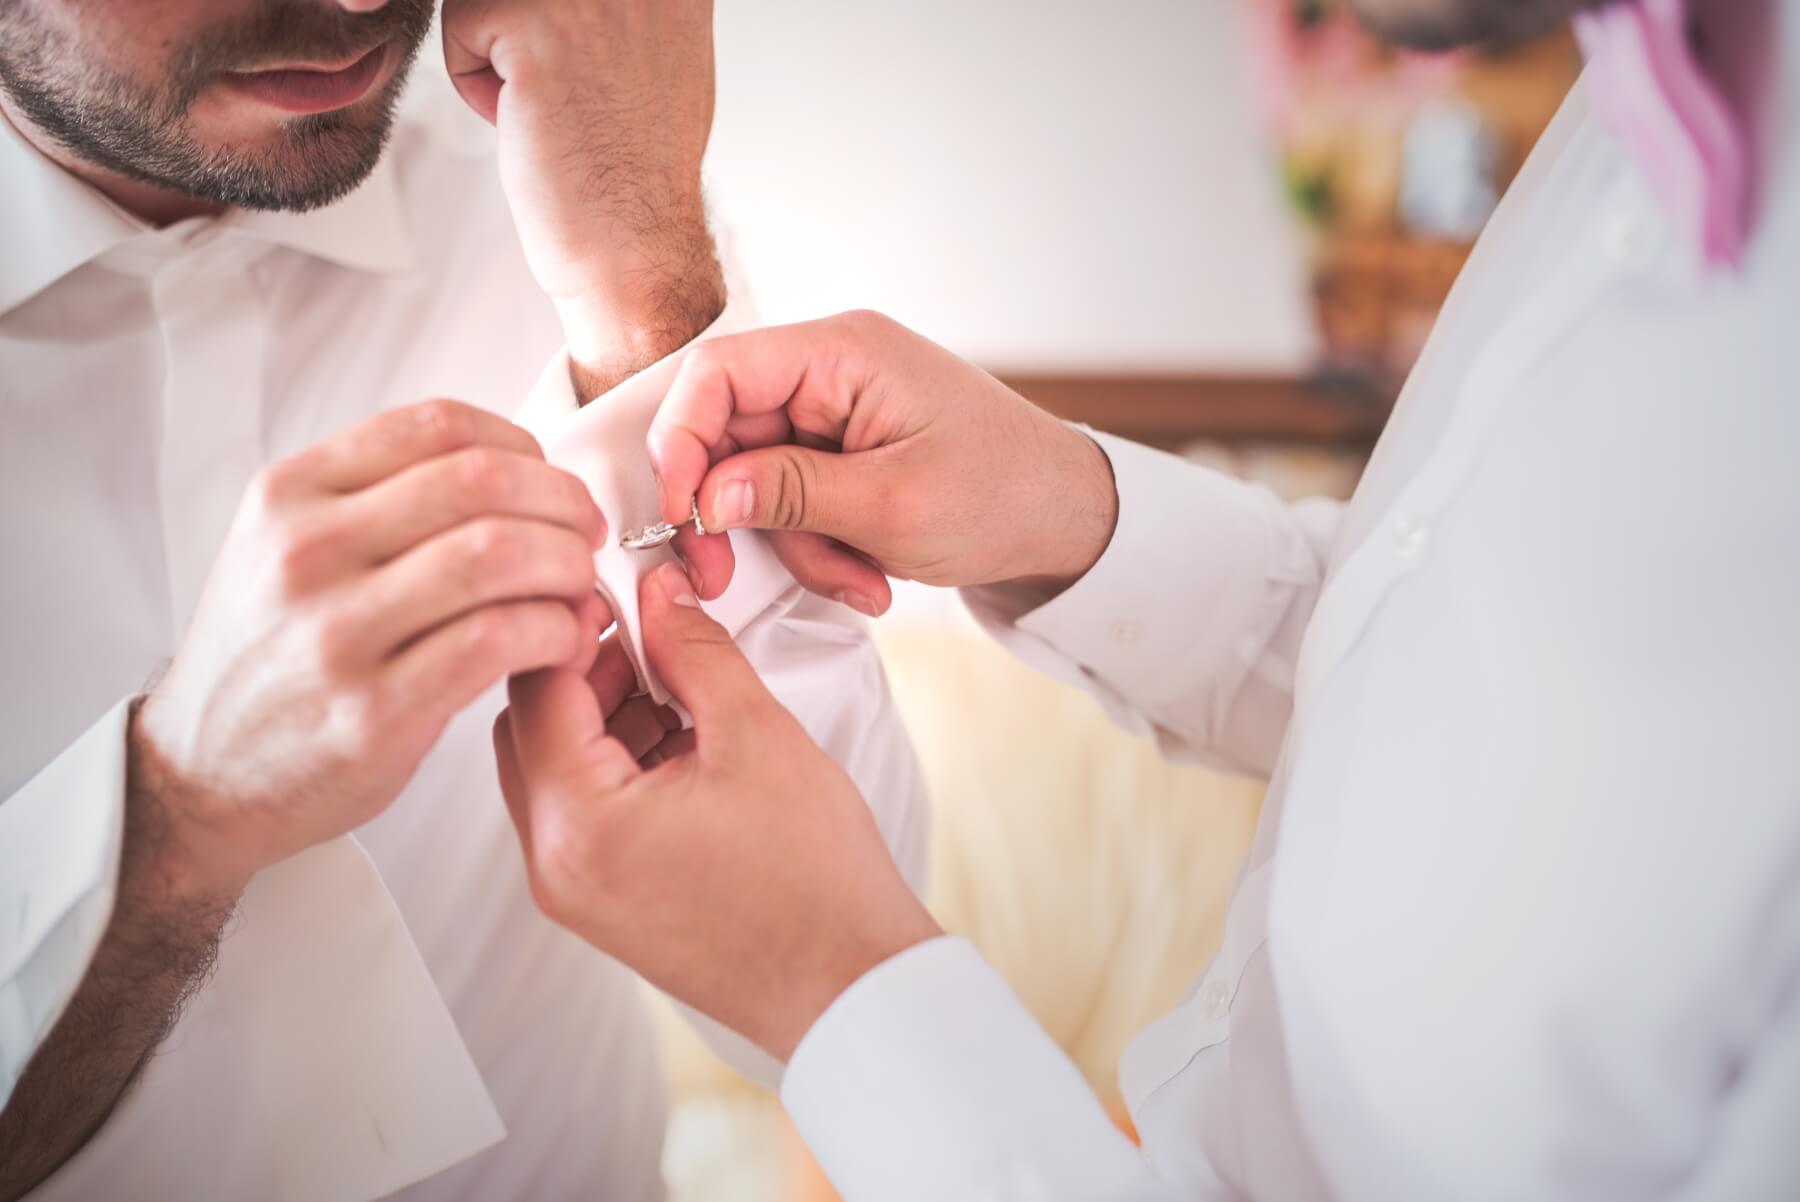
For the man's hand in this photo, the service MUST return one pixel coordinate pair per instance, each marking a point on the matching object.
(856, 431)
(369, 588)
(603, 109)
(740, 872)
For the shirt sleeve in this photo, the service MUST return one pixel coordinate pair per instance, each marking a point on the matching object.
(1188, 627)
(815, 656)
(60, 837)
(928, 1078)
(819, 661)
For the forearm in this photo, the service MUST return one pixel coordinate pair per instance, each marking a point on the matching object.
(157, 951)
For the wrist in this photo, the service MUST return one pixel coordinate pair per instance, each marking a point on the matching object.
(804, 1005)
(176, 845)
(1085, 514)
(642, 305)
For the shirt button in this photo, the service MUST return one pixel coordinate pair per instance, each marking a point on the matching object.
(1410, 535)
(1626, 237)
(1125, 633)
(1215, 999)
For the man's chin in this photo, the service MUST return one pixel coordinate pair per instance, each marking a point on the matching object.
(246, 155)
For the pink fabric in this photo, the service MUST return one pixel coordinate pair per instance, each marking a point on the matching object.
(1649, 87)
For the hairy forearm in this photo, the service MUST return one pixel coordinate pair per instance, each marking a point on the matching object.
(156, 953)
(665, 291)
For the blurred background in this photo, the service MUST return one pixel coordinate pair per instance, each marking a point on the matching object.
(1219, 226)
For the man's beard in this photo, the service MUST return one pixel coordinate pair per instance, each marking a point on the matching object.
(142, 131)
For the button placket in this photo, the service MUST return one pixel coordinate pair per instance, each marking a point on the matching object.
(214, 335)
(1356, 590)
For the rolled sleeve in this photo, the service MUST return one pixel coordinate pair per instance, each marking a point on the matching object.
(928, 1078)
(1188, 626)
(59, 860)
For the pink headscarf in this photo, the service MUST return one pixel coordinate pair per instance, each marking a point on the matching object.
(1649, 88)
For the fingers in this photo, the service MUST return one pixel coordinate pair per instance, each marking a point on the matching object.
(454, 664)
(709, 559)
(830, 569)
(592, 616)
(640, 724)
(612, 678)
(560, 739)
(475, 564)
(694, 655)
(512, 783)
(375, 449)
(676, 745)
(792, 488)
(809, 370)
(428, 498)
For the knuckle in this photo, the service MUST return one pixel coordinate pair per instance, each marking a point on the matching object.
(705, 358)
(793, 488)
(573, 559)
(481, 477)
(334, 640)
(483, 635)
(492, 549)
(273, 486)
(301, 556)
(438, 422)
(868, 323)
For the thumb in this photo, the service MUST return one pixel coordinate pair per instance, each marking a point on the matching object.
(787, 487)
(694, 655)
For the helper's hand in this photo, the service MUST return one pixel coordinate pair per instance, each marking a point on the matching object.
(855, 430)
(603, 109)
(742, 873)
(369, 588)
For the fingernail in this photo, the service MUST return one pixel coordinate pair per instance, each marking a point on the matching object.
(737, 501)
(676, 586)
(862, 603)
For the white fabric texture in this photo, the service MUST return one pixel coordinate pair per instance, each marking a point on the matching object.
(384, 1006)
(1522, 919)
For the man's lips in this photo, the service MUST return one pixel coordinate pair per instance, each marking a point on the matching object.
(309, 89)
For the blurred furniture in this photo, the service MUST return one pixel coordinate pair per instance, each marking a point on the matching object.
(1344, 409)
(1391, 163)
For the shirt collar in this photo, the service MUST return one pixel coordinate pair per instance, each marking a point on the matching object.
(52, 223)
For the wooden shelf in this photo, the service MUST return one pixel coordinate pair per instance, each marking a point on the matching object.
(1168, 411)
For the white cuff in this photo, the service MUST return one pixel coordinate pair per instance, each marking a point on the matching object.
(603, 445)
(928, 1078)
(1166, 625)
(59, 863)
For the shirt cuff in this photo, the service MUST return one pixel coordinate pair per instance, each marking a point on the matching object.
(553, 398)
(59, 860)
(1187, 591)
(928, 1078)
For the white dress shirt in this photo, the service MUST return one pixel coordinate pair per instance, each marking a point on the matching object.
(387, 1005)
(1522, 918)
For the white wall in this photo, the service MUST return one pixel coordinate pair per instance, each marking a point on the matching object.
(1056, 185)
